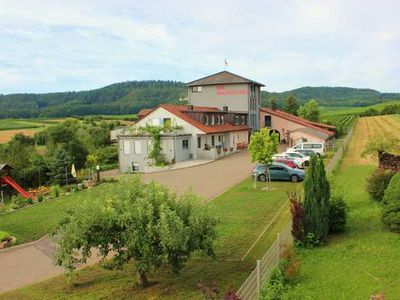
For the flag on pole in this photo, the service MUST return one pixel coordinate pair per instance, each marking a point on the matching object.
(226, 63)
(73, 171)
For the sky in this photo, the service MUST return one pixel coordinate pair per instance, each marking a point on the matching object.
(48, 46)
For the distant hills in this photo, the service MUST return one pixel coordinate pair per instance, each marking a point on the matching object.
(131, 96)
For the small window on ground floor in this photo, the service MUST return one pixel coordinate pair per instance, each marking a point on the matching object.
(212, 140)
(185, 144)
(135, 167)
(199, 142)
(220, 138)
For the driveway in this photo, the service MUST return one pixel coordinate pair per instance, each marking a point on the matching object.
(207, 180)
(32, 262)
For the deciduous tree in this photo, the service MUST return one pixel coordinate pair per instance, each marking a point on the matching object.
(291, 106)
(310, 111)
(143, 224)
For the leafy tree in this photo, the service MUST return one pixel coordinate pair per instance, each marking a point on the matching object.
(143, 224)
(391, 204)
(263, 146)
(310, 111)
(316, 202)
(272, 103)
(377, 183)
(383, 143)
(291, 106)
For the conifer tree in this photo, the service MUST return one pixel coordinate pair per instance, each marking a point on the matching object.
(316, 202)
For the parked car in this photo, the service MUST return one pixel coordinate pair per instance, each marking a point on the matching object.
(316, 147)
(300, 157)
(288, 162)
(278, 171)
(298, 161)
(309, 153)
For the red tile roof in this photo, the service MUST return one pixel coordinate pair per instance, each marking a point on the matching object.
(298, 120)
(179, 111)
(144, 112)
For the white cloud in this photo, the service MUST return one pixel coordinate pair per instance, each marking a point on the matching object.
(57, 45)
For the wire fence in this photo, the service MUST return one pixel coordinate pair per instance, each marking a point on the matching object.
(251, 288)
(334, 162)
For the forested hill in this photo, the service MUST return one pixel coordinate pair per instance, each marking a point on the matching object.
(336, 96)
(119, 98)
(131, 96)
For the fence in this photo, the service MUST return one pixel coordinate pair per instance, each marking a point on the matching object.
(333, 163)
(252, 286)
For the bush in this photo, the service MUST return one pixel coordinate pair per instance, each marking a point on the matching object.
(55, 191)
(40, 198)
(391, 202)
(377, 183)
(19, 201)
(5, 236)
(297, 211)
(337, 214)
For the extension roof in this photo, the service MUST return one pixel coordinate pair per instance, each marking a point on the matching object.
(317, 126)
(223, 77)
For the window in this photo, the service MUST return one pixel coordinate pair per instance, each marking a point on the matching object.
(156, 121)
(197, 89)
(218, 119)
(185, 144)
(316, 146)
(236, 120)
(220, 138)
(199, 142)
(138, 147)
(222, 120)
(135, 167)
(212, 119)
(212, 140)
(243, 120)
(127, 147)
(167, 121)
(307, 146)
(205, 119)
(268, 121)
(297, 147)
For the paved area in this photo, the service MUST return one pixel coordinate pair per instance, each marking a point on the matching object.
(179, 165)
(33, 262)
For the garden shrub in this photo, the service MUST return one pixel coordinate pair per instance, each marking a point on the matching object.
(337, 214)
(55, 191)
(5, 236)
(377, 183)
(19, 201)
(391, 204)
(40, 198)
(297, 211)
(280, 276)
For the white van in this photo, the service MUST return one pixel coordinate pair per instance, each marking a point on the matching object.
(317, 147)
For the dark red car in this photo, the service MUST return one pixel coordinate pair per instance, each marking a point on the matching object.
(287, 162)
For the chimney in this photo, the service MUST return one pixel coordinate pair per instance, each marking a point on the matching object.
(225, 108)
(190, 107)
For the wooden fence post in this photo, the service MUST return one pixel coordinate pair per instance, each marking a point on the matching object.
(258, 279)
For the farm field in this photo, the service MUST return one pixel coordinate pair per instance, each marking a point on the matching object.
(11, 127)
(327, 111)
(243, 215)
(363, 260)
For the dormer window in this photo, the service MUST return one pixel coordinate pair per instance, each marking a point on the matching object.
(197, 89)
(237, 120)
(218, 119)
(212, 120)
(222, 120)
(205, 120)
(243, 120)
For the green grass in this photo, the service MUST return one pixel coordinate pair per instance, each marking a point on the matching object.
(327, 111)
(358, 263)
(243, 214)
(9, 124)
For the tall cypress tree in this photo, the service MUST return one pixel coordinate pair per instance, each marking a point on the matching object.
(316, 201)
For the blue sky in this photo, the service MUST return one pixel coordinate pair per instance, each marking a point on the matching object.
(50, 46)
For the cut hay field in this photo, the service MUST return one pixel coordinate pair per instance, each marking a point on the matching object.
(366, 129)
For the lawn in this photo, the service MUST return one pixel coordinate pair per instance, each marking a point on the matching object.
(363, 260)
(243, 215)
